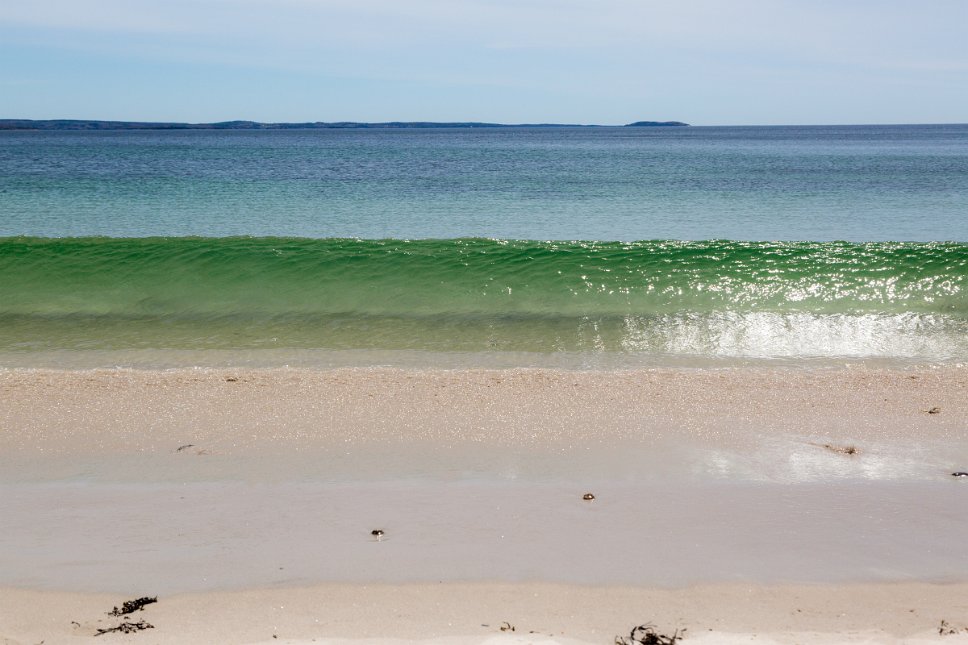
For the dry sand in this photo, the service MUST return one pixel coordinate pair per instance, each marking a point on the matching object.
(718, 506)
(232, 410)
(539, 613)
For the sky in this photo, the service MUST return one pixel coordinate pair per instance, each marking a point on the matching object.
(706, 62)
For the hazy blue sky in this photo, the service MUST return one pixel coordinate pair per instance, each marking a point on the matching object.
(707, 62)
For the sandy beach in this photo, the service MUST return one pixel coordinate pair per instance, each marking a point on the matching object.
(743, 504)
(538, 613)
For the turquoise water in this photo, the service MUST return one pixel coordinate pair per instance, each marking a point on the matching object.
(716, 298)
(401, 241)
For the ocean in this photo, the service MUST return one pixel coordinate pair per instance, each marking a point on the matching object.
(752, 347)
(565, 247)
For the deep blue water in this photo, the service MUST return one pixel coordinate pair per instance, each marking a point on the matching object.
(857, 183)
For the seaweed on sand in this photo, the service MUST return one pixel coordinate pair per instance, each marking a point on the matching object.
(841, 450)
(127, 627)
(131, 606)
(647, 635)
(844, 450)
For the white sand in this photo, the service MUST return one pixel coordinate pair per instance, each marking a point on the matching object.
(539, 613)
(717, 505)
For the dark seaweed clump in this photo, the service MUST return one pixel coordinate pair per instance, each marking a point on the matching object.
(647, 635)
(127, 627)
(131, 606)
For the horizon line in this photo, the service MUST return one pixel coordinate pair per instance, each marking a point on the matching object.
(415, 124)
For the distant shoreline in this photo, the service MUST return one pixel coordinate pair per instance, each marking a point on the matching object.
(81, 124)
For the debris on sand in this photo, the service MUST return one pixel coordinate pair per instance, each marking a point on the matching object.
(197, 451)
(127, 627)
(588, 497)
(840, 450)
(934, 410)
(959, 473)
(647, 635)
(844, 450)
(946, 629)
(131, 606)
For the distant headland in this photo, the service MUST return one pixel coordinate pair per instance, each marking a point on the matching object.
(75, 124)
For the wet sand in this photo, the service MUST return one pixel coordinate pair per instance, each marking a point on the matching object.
(226, 489)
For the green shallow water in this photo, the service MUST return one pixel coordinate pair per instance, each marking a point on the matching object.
(712, 298)
(184, 278)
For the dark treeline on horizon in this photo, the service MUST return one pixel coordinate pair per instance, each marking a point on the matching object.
(78, 124)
